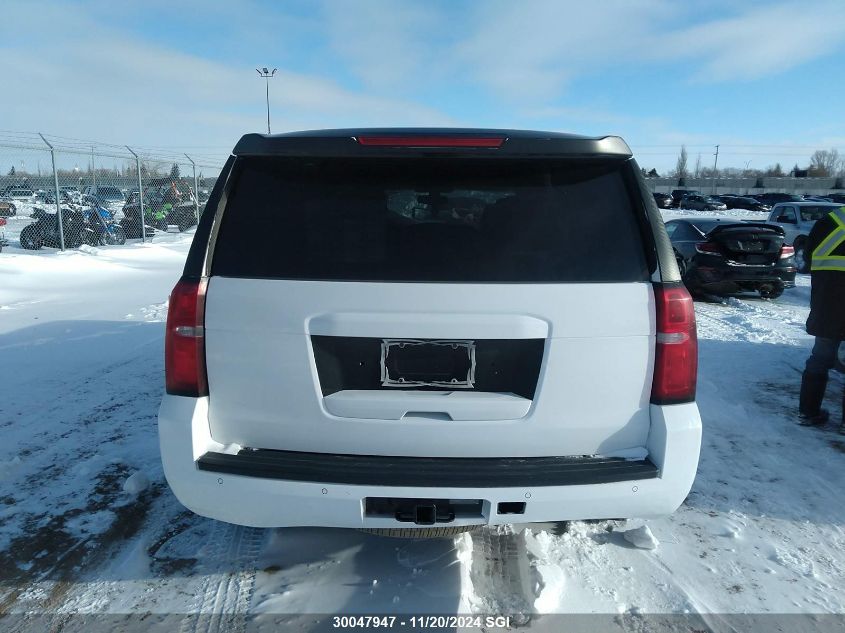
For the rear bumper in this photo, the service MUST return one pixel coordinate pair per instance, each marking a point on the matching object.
(737, 278)
(203, 476)
(437, 472)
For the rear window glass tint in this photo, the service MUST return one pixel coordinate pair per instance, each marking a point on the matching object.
(430, 219)
(811, 214)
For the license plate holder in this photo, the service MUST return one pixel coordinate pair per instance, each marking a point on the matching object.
(443, 363)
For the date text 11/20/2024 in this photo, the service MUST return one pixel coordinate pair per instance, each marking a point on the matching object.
(421, 622)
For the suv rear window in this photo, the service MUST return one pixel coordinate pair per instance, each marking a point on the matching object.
(811, 214)
(430, 219)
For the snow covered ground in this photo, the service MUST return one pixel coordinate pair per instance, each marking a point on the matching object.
(87, 523)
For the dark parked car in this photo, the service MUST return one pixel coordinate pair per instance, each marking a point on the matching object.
(727, 198)
(702, 203)
(663, 200)
(677, 194)
(744, 202)
(817, 198)
(773, 198)
(7, 208)
(726, 257)
(837, 197)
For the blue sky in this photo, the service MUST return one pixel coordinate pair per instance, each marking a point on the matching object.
(762, 79)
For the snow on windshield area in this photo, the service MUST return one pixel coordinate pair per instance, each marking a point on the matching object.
(88, 524)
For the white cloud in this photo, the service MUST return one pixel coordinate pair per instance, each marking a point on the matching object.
(762, 42)
(75, 77)
(533, 49)
(384, 43)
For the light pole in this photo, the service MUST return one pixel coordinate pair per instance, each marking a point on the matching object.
(715, 162)
(267, 74)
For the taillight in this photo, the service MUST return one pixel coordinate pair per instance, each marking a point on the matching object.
(184, 340)
(2, 221)
(432, 141)
(787, 251)
(708, 248)
(676, 355)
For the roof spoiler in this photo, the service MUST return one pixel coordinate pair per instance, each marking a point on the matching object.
(742, 224)
(340, 143)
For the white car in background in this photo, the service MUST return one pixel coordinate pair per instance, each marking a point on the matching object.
(797, 220)
(18, 192)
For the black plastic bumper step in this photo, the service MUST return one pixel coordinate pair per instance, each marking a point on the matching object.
(444, 472)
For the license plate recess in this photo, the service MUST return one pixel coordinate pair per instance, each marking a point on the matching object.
(443, 363)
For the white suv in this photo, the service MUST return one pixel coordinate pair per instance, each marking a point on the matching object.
(427, 328)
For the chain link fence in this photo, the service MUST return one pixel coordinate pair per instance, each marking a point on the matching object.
(750, 186)
(59, 193)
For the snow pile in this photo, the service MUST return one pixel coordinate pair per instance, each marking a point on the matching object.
(630, 454)
(156, 312)
(9, 468)
(549, 578)
(739, 214)
(136, 483)
(641, 537)
(470, 600)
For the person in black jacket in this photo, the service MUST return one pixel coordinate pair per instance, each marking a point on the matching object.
(826, 248)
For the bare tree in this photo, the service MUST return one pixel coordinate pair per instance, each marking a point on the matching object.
(825, 162)
(681, 165)
(774, 170)
(697, 171)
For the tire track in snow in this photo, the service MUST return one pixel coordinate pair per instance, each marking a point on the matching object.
(224, 599)
(754, 321)
(500, 573)
(714, 328)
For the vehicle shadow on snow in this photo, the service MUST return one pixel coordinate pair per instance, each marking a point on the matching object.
(357, 573)
(755, 459)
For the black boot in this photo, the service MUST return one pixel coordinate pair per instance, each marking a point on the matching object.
(810, 412)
